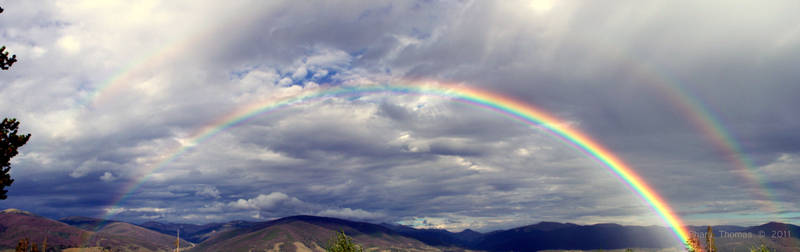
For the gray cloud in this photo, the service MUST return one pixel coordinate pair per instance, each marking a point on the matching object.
(167, 70)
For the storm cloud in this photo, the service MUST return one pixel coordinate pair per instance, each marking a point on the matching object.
(110, 91)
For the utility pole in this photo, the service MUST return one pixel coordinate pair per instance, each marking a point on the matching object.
(178, 241)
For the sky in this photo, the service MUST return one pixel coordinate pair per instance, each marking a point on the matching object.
(699, 98)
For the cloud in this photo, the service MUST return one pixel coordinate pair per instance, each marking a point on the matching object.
(108, 177)
(124, 94)
(351, 214)
(208, 191)
(268, 202)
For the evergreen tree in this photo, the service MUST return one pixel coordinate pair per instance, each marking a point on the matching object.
(342, 243)
(9, 142)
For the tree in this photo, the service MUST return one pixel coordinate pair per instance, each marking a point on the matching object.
(342, 243)
(25, 245)
(762, 248)
(693, 245)
(9, 142)
(5, 61)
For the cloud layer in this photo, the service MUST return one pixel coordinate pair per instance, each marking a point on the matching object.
(110, 91)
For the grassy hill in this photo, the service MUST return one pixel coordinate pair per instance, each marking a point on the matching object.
(196, 233)
(16, 224)
(309, 233)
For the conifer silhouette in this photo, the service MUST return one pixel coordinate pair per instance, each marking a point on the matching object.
(9, 142)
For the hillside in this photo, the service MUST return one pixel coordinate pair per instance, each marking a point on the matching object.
(87, 223)
(196, 233)
(308, 233)
(131, 233)
(17, 224)
(311, 233)
(550, 235)
(138, 235)
(438, 237)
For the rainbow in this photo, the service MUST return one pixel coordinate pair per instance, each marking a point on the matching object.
(504, 105)
(701, 118)
(713, 130)
(165, 54)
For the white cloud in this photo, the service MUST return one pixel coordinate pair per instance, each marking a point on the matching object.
(69, 44)
(80, 171)
(208, 191)
(267, 202)
(347, 213)
(167, 69)
(108, 177)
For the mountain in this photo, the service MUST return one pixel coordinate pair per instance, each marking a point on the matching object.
(438, 237)
(16, 224)
(716, 229)
(551, 235)
(776, 230)
(308, 233)
(311, 233)
(776, 236)
(195, 233)
(131, 233)
(469, 235)
(88, 223)
(145, 237)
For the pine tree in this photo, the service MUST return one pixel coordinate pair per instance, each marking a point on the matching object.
(342, 243)
(9, 142)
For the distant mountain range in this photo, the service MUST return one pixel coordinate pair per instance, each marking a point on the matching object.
(196, 233)
(312, 233)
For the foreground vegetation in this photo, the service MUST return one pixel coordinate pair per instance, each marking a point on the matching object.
(342, 243)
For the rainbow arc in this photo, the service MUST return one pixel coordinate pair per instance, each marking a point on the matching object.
(503, 105)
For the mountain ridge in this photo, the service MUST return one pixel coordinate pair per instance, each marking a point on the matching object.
(16, 225)
(311, 233)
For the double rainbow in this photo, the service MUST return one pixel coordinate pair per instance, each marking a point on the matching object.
(481, 98)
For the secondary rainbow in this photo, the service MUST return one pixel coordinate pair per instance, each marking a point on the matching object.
(495, 102)
(700, 117)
